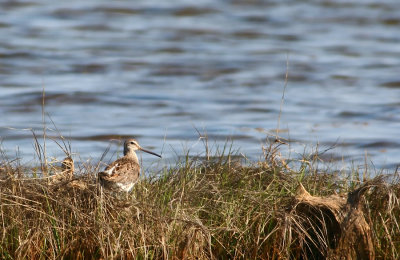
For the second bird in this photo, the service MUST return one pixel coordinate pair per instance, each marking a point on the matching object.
(123, 173)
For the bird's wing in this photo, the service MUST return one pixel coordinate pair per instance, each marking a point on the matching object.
(121, 170)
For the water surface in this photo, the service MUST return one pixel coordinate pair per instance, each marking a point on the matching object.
(158, 70)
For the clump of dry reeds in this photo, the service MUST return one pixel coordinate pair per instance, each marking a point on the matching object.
(207, 208)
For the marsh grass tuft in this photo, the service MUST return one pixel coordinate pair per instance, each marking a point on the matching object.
(202, 208)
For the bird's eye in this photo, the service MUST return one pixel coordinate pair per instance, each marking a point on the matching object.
(132, 142)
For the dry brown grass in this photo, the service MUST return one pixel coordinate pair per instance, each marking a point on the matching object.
(200, 209)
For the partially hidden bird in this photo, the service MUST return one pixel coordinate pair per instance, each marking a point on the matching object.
(66, 174)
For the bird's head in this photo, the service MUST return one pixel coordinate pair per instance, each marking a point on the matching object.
(132, 145)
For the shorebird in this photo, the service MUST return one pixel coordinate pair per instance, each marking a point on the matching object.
(68, 167)
(66, 174)
(123, 173)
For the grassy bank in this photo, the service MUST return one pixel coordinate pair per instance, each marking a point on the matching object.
(201, 208)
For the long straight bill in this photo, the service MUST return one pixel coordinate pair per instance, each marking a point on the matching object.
(147, 151)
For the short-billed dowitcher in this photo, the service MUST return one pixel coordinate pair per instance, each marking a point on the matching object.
(68, 167)
(66, 174)
(123, 173)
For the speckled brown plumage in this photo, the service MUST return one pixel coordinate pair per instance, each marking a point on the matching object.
(123, 173)
(66, 174)
(68, 167)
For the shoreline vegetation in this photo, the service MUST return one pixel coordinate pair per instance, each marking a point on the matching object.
(201, 208)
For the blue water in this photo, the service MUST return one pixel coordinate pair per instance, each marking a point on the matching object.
(159, 70)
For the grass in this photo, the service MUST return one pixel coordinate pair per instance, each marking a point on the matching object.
(201, 208)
